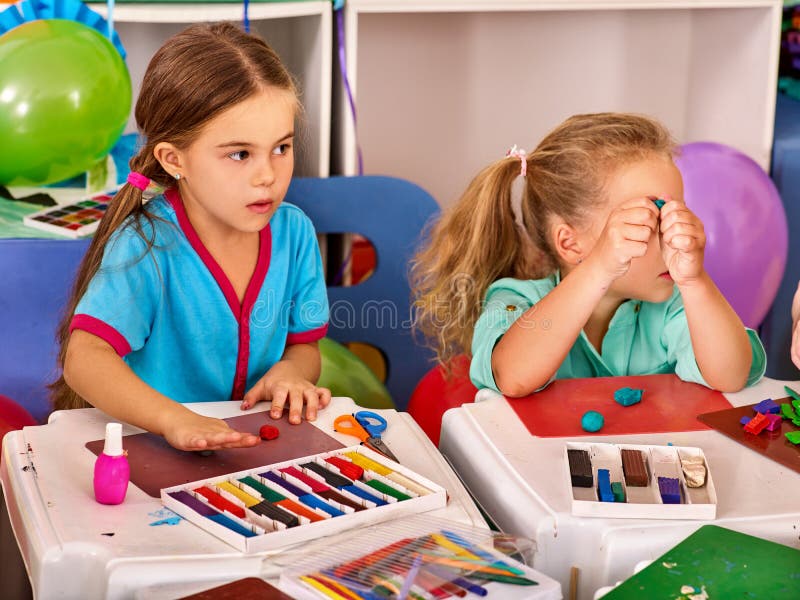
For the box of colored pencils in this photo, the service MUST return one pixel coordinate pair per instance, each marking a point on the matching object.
(639, 481)
(281, 504)
(419, 558)
(72, 220)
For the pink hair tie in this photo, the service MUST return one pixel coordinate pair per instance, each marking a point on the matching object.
(138, 180)
(150, 188)
(522, 156)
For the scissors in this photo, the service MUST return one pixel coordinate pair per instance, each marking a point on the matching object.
(366, 426)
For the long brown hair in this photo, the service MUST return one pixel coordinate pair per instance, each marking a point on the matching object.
(197, 74)
(481, 239)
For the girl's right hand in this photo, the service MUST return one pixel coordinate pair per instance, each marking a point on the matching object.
(197, 432)
(625, 236)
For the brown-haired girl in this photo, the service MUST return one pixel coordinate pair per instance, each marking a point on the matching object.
(597, 271)
(200, 284)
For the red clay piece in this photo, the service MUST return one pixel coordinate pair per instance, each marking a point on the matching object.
(268, 432)
(757, 424)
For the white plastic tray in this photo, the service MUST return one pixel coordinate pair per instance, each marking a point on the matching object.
(642, 502)
(271, 534)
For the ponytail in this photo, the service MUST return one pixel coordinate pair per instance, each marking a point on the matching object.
(475, 243)
(127, 203)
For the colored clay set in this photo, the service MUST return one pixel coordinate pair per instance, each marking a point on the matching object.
(276, 505)
(74, 220)
(639, 482)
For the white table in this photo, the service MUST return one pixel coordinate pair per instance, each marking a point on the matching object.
(529, 493)
(60, 528)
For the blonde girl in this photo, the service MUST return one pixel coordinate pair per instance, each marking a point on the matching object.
(596, 271)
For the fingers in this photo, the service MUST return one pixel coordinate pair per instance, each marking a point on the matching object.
(629, 241)
(216, 440)
(324, 396)
(795, 353)
(252, 397)
(683, 235)
(219, 440)
(280, 393)
(315, 398)
(296, 399)
(311, 399)
(796, 305)
(637, 212)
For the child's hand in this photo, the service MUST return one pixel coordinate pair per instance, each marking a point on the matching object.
(683, 242)
(281, 384)
(625, 236)
(796, 328)
(197, 432)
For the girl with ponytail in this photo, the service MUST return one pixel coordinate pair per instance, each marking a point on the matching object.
(200, 283)
(597, 270)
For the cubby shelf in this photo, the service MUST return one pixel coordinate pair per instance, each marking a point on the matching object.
(443, 87)
(299, 31)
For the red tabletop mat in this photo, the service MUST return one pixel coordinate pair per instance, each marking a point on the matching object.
(668, 404)
(772, 444)
(249, 588)
(155, 464)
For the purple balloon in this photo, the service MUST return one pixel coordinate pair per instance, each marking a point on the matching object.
(745, 222)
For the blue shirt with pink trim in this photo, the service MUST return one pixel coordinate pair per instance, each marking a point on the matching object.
(174, 317)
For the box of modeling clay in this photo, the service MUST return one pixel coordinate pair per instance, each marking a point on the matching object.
(639, 481)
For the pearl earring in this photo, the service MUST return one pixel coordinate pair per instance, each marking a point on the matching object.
(177, 176)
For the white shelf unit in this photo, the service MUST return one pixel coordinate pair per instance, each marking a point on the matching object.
(299, 31)
(443, 87)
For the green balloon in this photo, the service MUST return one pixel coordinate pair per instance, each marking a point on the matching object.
(344, 374)
(65, 96)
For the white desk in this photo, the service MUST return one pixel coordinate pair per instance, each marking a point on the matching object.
(62, 531)
(529, 491)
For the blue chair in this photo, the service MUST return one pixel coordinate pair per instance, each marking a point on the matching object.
(36, 276)
(391, 213)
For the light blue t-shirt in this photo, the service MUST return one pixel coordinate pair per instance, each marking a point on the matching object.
(174, 317)
(643, 338)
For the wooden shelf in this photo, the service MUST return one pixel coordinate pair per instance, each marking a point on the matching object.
(443, 87)
(301, 33)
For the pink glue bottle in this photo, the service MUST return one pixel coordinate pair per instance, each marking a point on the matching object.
(111, 470)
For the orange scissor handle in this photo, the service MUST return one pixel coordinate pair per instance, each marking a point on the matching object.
(348, 425)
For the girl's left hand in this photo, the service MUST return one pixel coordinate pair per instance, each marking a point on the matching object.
(283, 384)
(796, 328)
(683, 242)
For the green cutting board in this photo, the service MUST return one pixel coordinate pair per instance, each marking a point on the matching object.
(729, 564)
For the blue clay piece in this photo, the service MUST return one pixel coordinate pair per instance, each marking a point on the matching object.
(592, 421)
(659, 203)
(627, 396)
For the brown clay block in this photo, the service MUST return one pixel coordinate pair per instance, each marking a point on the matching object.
(580, 468)
(635, 468)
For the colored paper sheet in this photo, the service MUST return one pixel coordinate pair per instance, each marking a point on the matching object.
(155, 464)
(722, 563)
(249, 588)
(668, 404)
(772, 444)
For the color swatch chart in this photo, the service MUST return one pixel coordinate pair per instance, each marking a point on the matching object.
(640, 481)
(276, 505)
(416, 558)
(73, 220)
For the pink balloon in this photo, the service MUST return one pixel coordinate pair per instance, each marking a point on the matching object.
(745, 223)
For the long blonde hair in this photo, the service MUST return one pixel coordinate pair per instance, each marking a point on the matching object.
(480, 239)
(196, 75)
